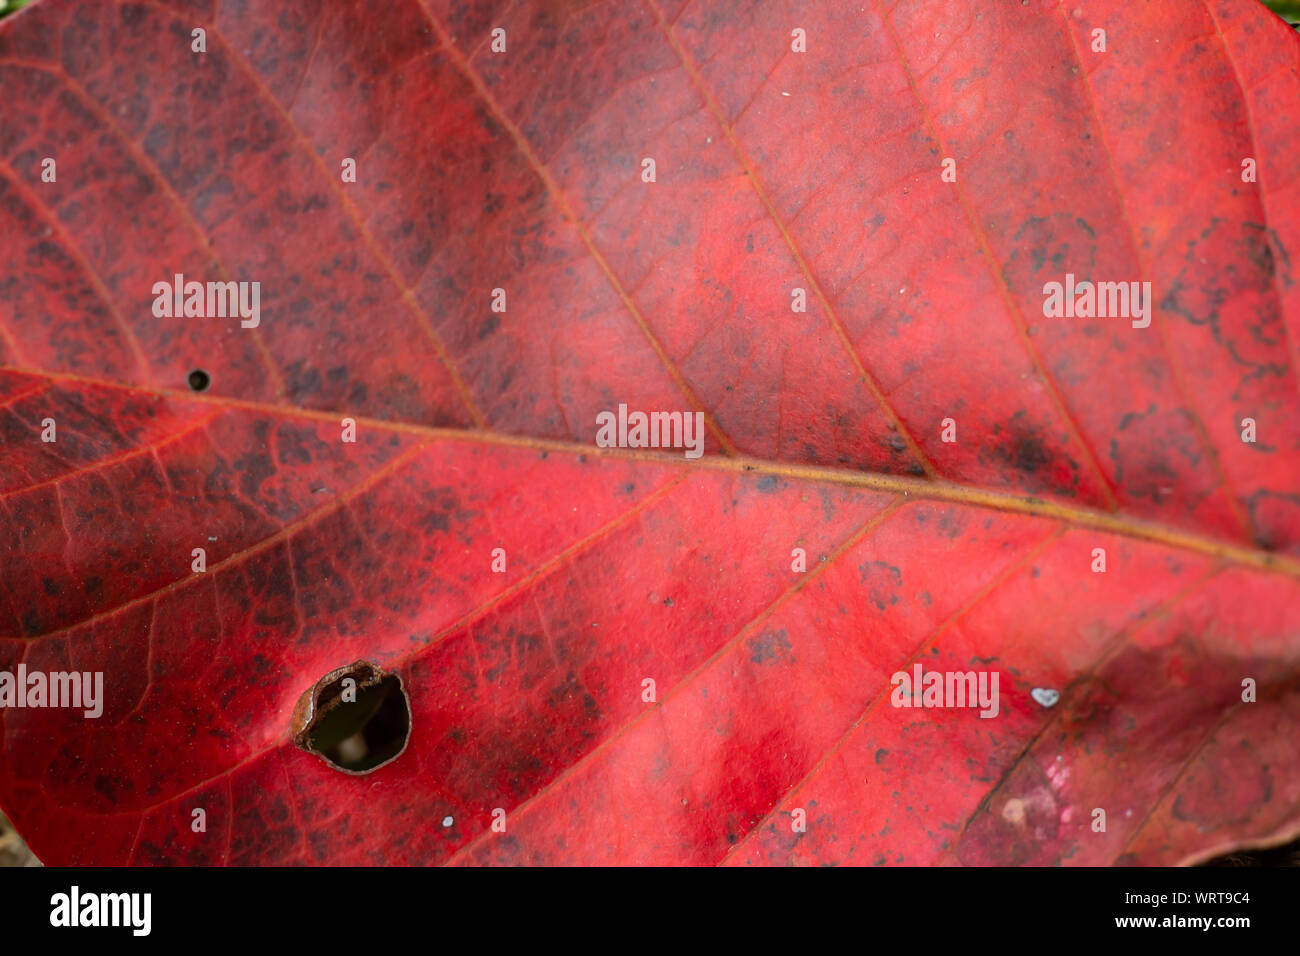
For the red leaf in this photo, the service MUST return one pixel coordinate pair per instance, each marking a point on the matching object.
(776, 170)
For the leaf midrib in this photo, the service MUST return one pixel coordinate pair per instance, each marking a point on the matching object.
(1078, 516)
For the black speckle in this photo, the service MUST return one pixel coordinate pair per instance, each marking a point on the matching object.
(1029, 454)
(104, 786)
(768, 646)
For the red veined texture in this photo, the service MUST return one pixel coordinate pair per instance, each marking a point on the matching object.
(775, 171)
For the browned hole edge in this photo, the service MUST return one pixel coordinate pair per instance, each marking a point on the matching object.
(320, 698)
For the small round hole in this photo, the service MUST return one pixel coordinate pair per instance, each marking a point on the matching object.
(356, 718)
(199, 380)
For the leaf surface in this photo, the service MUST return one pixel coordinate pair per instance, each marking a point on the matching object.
(775, 171)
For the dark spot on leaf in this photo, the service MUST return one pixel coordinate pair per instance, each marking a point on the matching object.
(768, 646)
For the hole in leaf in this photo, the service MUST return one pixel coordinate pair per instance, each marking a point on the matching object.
(199, 380)
(356, 718)
(1287, 854)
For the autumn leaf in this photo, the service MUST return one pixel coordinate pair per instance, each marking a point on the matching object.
(987, 313)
